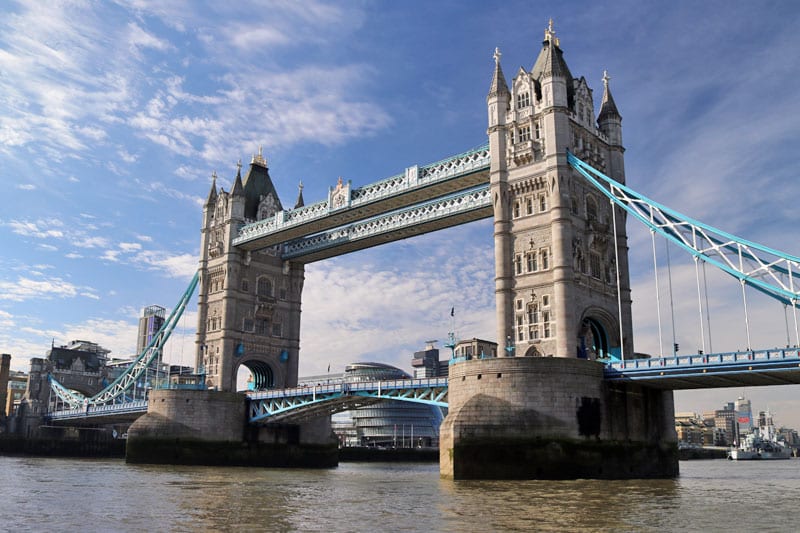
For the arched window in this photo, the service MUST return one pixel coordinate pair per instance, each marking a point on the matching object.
(591, 209)
(264, 289)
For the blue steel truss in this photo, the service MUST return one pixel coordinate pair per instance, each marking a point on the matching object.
(321, 400)
(778, 366)
(462, 207)
(415, 178)
(767, 270)
(120, 389)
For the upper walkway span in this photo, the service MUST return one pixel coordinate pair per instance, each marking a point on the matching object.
(345, 206)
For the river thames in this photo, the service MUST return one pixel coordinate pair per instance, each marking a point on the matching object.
(44, 494)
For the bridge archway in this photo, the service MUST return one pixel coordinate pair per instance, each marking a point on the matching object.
(597, 336)
(255, 375)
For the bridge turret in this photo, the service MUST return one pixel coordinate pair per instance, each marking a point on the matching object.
(498, 102)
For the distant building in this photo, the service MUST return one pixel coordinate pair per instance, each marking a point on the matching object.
(477, 348)
(149, 325)
(385, 423)
(426, 363)
(17, 383)
(744, 415)
(80, 356)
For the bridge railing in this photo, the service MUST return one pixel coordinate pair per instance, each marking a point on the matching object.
(414, 177)
(773, 354)
(100, 410)
(348, 387)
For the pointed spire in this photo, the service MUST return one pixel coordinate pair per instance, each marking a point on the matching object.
(259, 158)
(608, 109)
(212, 194)
(499, 86)
(300, 202)
(551, 61)
(238, 188)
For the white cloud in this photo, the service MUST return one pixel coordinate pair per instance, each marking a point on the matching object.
(25, 288)
(26, 187)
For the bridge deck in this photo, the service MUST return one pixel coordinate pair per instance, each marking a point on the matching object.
(417, 185)
(733, 369)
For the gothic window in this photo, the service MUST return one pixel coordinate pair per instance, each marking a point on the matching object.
(594, 265)
(262, 326)
(283, 293)
(546, 321)
(524, 133)
(517, 212)
(546, 300)
(537, 130)
(545, 259)
(245, 285)
(518, 263)
(520, 329)
(531, 257)
(519, 305)
(248, 325)
(523, 100)
(542, 203)
(264, 289)
(529, 205)
(575, 208)
(591, 209)
(277, 329)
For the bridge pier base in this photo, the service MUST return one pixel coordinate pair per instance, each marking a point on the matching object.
(210, 428)
(553, 418)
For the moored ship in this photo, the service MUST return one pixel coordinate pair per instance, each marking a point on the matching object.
(762, 443)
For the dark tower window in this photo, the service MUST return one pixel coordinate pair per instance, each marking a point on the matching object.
(264, 288)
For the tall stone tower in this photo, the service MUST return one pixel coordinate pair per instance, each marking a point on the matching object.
(544, 411)
(249, 302)
(557, 276)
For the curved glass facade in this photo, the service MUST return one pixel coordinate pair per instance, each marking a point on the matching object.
(387, 423)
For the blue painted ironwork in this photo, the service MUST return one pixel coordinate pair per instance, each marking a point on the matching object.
(775, 273)
(755, 367)
(472, 200)
(414, 178)
(326, 399)
(118, 410)
(120, 389)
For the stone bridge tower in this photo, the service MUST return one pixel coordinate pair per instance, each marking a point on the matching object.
(249, 302)
(544, 411)
(556, 251)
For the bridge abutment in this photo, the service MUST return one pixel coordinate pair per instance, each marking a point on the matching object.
(211, 428)
(553, 418)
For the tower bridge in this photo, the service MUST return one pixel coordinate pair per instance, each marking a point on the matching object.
(566, 398)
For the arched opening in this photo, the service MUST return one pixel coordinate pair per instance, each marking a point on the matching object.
(254, 375)
(592, 340)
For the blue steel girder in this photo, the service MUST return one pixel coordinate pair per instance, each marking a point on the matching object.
(301, 403)
(452, 210)
(770, 271)
(778, 366)
(118, 389)
(416, 184)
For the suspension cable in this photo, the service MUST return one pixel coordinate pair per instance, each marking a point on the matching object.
(708, 309)
(619, 290)
(671, 301)
(746, 317)
(794, 308)
(658, 299)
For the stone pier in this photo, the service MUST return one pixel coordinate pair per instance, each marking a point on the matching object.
(553, 418)
(210, 428)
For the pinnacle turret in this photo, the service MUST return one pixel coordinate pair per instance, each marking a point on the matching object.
(212, 194)
(300, 202)
(608, 109)
(499, 85)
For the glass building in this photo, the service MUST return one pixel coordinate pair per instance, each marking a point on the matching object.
(387, 423)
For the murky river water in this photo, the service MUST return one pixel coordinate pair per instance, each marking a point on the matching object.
(42, 494)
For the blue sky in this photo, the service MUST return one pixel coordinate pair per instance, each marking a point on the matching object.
(113, 116)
